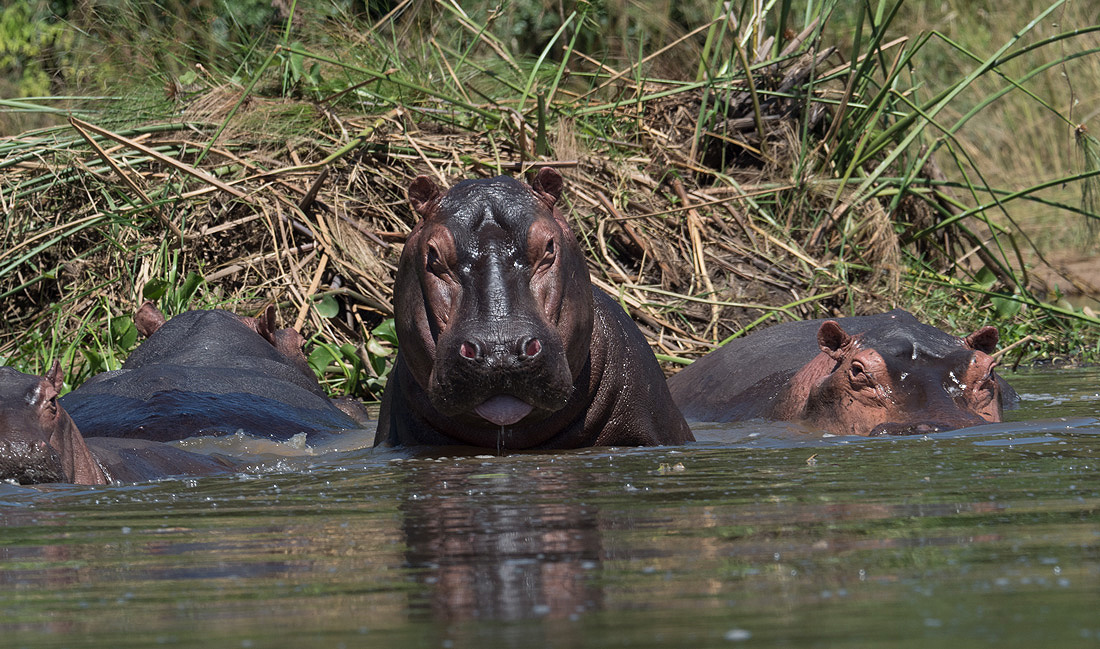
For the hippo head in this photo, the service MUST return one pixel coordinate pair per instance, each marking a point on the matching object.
(38, 441)
(876, 383)
(493, 302)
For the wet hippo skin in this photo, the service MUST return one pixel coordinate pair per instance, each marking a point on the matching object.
(883, 374)
(208, 372)
(504, 342)
(39, 443)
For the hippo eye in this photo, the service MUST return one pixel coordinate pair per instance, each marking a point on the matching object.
(434, 262)
(547, 255)
(988, 382)
(51, 407)
(859, 375)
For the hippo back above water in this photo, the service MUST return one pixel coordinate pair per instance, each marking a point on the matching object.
(208, 372)
(883, 374)
(504, 342)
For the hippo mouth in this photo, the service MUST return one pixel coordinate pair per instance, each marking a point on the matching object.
(503, 409)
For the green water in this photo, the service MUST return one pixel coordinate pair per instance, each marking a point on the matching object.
(986, 537)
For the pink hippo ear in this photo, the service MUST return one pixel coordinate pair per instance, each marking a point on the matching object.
(422, 193)
(148, 319)
(983, 340)
(549, 182)
(833, 339)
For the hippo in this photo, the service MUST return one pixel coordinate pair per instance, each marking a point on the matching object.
(208, 372)
(883, 374)
(503, 341)
(39, 443)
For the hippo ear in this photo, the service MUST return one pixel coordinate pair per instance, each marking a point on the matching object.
(422, 192)
(148, 319)
(548, 181)
(54, 376)
(47, 388)
(832, 338)
(42, 397)
(265, 324)
(983, 340)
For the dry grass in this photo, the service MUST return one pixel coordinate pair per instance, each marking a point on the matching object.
(265, 221)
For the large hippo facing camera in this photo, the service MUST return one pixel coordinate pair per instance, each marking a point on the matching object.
(884, 374)
(208, 372)
(504, 342)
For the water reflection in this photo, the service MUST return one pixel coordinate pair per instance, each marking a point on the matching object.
(502, 545)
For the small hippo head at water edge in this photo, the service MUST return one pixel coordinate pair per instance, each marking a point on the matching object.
(38, 441)
(503, 314)
(504, 342)
(878, 385)
(881, 374)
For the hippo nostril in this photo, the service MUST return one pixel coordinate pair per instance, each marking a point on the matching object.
(532, 347)
(468, 350)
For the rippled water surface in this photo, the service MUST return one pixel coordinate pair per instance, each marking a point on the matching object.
(758, 536)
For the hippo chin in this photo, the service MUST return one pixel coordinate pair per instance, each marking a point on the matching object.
(39, 443)
(504, 342)
(884, 374)
(209, 372)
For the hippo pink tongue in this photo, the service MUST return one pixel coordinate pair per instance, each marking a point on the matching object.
(503, 409)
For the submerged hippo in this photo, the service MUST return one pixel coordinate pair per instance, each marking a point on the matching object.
(39, 443)
(504, 342)
(885, 374)
(208, 373)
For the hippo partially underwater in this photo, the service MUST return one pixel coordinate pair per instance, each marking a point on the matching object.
(39, 443)
(504, 342)
(208, 372)
(883, 374)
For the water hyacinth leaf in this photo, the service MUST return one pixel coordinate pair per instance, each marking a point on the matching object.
(386, 331)
(123, 332)
(327, 306)
(295, 60)
(98, 362)
(378, 365)
(376, 348)
(1005, 307)
(154, 289)
(321, 357)
(187, 290)
(985, 278)
(351, 354)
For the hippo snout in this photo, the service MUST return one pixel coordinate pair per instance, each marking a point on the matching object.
(502, 354)
(485, 360)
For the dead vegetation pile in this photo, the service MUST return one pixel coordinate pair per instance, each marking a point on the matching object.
(700, 227)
